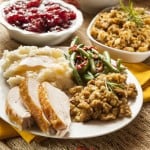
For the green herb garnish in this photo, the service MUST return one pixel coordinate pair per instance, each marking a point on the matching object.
(111, 86)
(133, 15)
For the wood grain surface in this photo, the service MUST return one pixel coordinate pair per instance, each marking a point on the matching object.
(135, 136)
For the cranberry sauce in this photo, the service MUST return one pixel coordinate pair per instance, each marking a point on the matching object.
(39, 16)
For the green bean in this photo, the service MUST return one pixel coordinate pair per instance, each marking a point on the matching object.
(107, 56)
(88, 76)
(84, 62)
(119, 65)
(75, 72)
(106, 69)
(84, 67)
(89, 56)
(80, 46)
(75, 41)
(95, 51)
(90, 53)
(96, 75)
(92, 63)
(73, 48)
(106, 62)
(109, 65)
(84, 53)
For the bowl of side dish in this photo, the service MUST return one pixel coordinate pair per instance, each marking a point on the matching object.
(38, 22)
(124, 38)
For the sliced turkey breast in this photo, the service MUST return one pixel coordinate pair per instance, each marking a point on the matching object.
(28, 64)
(56, 107)
(29, 92)
(43, 61)
(16, 110)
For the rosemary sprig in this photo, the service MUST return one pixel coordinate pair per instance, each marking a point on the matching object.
(132, 13)
(112, 85)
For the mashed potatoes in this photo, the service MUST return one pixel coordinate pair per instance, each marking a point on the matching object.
(45, 64)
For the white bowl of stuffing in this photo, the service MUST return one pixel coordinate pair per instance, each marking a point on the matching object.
(123, 31)
(36, 22)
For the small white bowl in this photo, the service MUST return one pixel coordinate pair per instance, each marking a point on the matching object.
(126, 56)
(94, 6)
(40, 39)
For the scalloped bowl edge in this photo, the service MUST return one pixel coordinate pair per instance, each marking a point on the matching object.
(50, 38)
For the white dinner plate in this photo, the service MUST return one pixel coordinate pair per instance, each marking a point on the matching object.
(82, 130)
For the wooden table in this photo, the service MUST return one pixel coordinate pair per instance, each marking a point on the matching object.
(135, 136)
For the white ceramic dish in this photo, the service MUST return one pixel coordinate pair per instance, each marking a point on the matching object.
(41, 39)
(130, 57)
(82, 130)
(93, 6)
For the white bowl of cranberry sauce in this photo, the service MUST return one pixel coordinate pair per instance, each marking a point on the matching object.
(40, 22)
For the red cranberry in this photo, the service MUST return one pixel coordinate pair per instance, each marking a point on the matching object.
(51, 23)
(63, 14)
(49, 15)
(17, 20)
(36, 26)
(33, 16)
(34, 3)
(53, 7)
(28, 16)
(58, 21)
(33, 10)
(72, 15)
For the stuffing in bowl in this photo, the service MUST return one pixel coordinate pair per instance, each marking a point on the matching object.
(40, 22)
(124, 31)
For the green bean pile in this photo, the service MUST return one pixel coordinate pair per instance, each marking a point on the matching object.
(87, 63)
